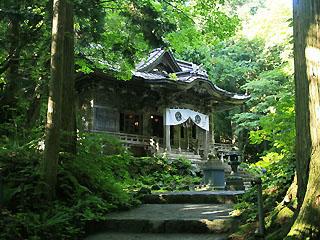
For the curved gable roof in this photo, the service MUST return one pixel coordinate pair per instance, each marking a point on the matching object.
(187, 75)
(156, 57)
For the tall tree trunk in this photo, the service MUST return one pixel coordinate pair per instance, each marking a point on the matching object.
(68, 114)
(307, 81)
(52, 141)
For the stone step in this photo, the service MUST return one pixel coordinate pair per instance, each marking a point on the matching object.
(170, 218)
(185, 151)
(244, 177)
(177, 156)
(153, 236)
(196, 160)
(213, 197)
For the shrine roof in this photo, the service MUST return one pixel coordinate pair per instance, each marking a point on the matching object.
(176, 79)
(182, 69)
(161, 67)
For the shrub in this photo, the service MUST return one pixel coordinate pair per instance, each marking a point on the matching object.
(89, 185)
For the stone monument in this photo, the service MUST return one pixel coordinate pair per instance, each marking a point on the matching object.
(213, 172)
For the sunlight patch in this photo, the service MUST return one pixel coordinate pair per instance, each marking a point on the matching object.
(313, 54)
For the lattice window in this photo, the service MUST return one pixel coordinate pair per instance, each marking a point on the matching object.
(105, 119)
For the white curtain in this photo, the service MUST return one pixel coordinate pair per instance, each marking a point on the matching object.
(179, 116)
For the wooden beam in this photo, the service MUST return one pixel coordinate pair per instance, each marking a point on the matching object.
(166, 133)
(205, 152)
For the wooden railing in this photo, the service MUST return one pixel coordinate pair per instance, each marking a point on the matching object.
(136, 140)
(156, 142)
(223, 147)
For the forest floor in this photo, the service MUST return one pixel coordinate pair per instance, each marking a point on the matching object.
(182, 218)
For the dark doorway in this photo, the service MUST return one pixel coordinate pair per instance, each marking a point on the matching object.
(156, 125)
(171, 135)
(130, 123)
(194, 131)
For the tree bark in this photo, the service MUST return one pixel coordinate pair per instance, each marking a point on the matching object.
(307, 82)
(52, 140)
(68, 114)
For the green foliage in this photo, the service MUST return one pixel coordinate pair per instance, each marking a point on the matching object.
(258, 61)
(158, 173)
(86, 191)
(78, 200)
(269, 115)
(236, 62)
(102, 177)
(278, 126)
(279, 171)
(223, 130)
(205, 24)
(111, 36)
(173, 76)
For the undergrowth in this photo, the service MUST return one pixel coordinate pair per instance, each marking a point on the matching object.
(102, 177)
(276, 179)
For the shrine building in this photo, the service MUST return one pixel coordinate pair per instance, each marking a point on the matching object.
(168, 104)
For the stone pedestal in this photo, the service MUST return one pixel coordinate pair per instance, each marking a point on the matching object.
(234, 183)
(213, 173)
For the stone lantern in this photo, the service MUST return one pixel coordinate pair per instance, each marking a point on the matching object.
(234, 181)
(234, 161)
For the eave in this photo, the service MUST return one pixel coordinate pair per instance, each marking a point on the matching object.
(224, 99)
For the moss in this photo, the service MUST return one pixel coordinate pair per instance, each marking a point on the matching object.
(279, 233)
(285, 215)
(244, 232)
(281, 224)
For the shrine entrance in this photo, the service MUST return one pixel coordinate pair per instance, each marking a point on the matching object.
(186, 136)
(188, 121)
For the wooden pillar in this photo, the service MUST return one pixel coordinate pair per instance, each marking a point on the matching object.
(168, 146)
(197, 137)
(222, 157)
(205, 145)
(166, 133)
(179, 137)
(212, 129)
(146, 130)
(188, 138)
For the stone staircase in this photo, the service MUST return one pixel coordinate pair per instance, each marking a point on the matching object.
(246, 178)
(196, 159)
(172, 216)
